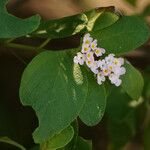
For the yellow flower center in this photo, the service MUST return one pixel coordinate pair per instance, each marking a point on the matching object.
(105, 71)
(89, 62)
(110, 67)
(115, 61)
(87, 42)
(89, 55)
(93, 46)
(85, 49)
(97, 51)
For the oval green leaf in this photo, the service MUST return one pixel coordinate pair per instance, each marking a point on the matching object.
(121, 133)
(83, 144)
(94, 107)
(121, 117)
(60, 140)
(78, 144)
(64, 27)
(132, 82)
(85, 22)
(48, 85)
(118, 104)
(98, 20)
(12, 27)
(127, 34)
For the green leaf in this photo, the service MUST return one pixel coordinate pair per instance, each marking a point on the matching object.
(11, 142)
(60, 140)
(85, 22)
(94, 107)
(119, 134)
(99, 19)
(59, 28)
(118, 104)
(83, 144)
(121, 118)
(132, 82)
(79, 144)
(48, 85)
(11, 26)
(127, 34)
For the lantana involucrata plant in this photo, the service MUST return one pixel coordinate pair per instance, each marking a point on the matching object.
(81, 83)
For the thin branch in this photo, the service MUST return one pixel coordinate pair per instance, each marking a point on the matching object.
(11, 142)
(18, 57)
(23, 47)
(10, 40)
(44, 43)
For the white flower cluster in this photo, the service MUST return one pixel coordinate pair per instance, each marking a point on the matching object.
(110, 66)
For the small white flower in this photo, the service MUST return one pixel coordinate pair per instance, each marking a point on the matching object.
(87, 40)
(85, 48)
(99, 51)
(80, 58)
(106, 71)
(100, 78)
(121, 60)
(92, 64)
(90, 56)
(115, 80)
(95, 71)
(89, 63)
(113, 77)
(110, 58)
(102, 63)
(93, 45)
(118, 82)
(110, 67)
(119, 70)
(94, 67)
(87, 35)
(118, 61)
(76, 60)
